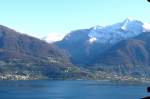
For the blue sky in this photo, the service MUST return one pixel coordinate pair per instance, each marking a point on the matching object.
(41, 17)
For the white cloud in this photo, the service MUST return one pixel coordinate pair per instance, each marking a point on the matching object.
(146, 27)
(52, 37)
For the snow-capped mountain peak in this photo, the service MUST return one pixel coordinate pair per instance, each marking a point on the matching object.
(119, 31)
(104, 34)
(132, 25)
(126, 22)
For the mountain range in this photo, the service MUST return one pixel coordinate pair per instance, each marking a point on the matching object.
(122, 48)
(115, 52)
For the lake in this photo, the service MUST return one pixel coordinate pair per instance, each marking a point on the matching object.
(70, 90)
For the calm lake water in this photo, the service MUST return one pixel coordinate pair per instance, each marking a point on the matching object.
(69, 90)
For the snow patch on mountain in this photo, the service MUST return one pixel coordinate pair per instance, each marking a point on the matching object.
(92, 40)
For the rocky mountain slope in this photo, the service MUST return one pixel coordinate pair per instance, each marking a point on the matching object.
(26, 57)
(130, 56)
(84, 45)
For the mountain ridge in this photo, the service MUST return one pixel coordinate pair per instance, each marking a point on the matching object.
(23, 57)
(121, 48)
(88, 43)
